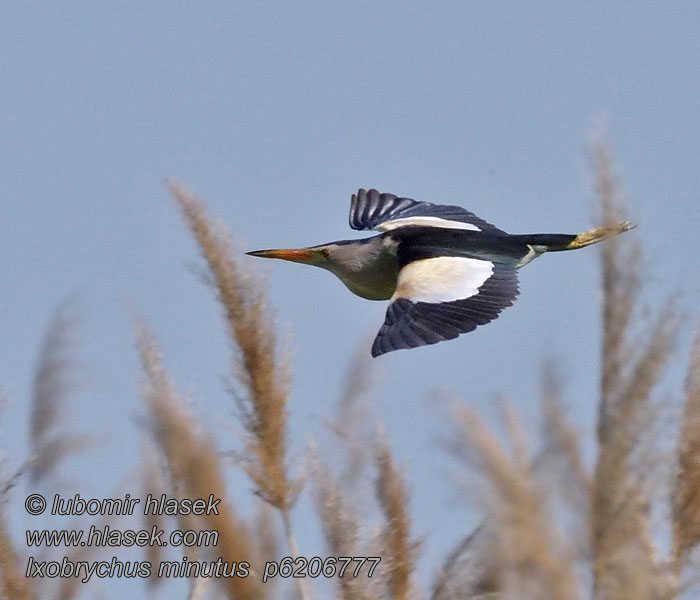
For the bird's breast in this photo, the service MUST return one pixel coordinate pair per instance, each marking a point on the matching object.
(373, 286)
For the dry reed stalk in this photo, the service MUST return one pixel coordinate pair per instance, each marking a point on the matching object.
(624, 555)
(352, 416)
(468, 572)
(398, 562)
(266, 533)
(686, 492)
(52, 384)
(13, 584)
(251, 329)
(69, 588)
(341, 530)
(527, 557)
(153, 484)
(561, 442)
(560, 465)
(194, 465)
(198, 588)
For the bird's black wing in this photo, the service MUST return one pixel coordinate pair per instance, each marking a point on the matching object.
(437, 299)
(370, 209)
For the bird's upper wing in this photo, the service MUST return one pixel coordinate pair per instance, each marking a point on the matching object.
(371, 210)
(438, 298)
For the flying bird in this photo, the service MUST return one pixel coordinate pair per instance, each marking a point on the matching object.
(445, 270)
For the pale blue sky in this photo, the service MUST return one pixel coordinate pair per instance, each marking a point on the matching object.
(274, 113)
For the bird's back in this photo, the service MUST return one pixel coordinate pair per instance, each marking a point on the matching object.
(418, 243)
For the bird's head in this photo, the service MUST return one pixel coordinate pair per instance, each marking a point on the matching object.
(357, 263)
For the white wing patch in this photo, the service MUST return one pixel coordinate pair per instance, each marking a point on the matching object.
(426, 222)
(442, 279)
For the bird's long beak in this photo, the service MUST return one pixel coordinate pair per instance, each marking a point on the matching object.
(301, 255)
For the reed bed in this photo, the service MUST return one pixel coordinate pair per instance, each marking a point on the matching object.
(553, 525)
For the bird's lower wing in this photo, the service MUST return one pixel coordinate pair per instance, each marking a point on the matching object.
(439, 298)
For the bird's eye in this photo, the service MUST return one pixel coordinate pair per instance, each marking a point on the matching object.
(324, 251)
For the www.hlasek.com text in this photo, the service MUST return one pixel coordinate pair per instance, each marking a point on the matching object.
(108, 537)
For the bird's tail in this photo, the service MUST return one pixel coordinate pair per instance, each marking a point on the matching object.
(556, 242)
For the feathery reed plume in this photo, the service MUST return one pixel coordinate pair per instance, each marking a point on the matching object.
(265, 379)
(620, 279)
(399, 554)
(624, 554)
(256, 363)
(52, 383)
(341, 529)
(193, 463)
(686, 492)
(527, 556)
